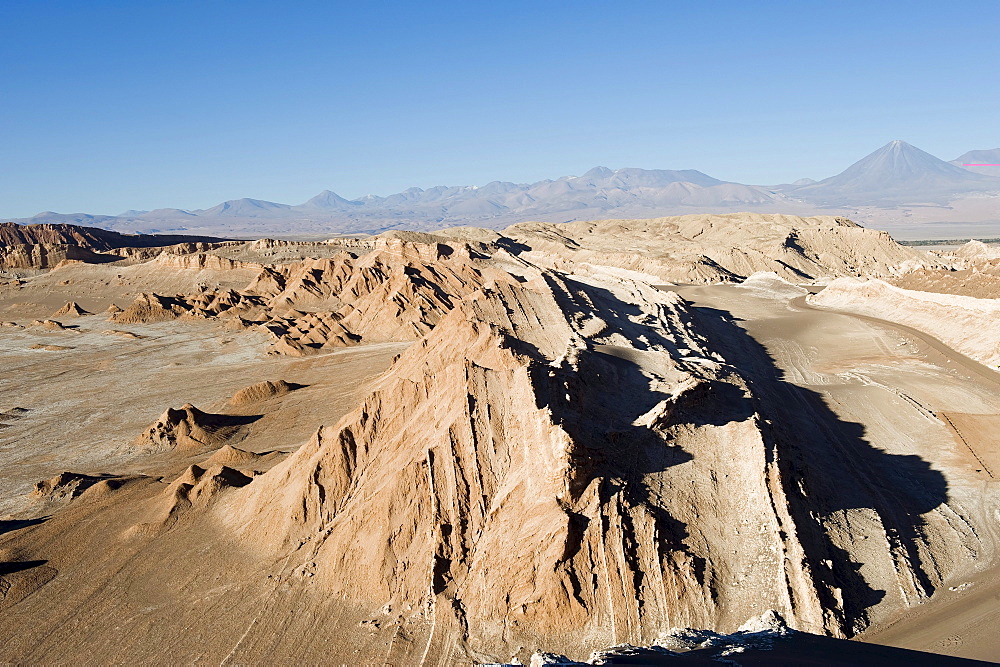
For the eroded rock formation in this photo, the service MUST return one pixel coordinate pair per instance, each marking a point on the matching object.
(567, 463)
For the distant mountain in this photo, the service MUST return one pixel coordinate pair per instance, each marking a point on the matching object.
(168, 214)
(53, 218)
(90, 238)
(896, 175)
(974, 161)
(246, 208)
(329, 201)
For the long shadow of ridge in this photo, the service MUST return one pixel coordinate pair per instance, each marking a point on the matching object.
(828, 466)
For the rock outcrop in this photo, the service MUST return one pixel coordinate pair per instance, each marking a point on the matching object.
(64, 486)
(48, 256)
(46, 246)
(398, 291)
(262, 391)
(189, 429)
(151, 307)
(71, 309)
(719, 248)
(566, 463)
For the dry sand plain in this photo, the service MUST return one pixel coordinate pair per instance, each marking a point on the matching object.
(111, 387)
(490, 446)
(78, 405)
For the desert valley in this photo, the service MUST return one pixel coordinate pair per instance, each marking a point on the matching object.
(744, 437)
(499, 334)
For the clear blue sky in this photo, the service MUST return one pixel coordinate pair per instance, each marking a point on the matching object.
(106, 106)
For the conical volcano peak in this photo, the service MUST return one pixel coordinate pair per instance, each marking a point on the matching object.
(899, 147)
(327, 199)
(896, 171)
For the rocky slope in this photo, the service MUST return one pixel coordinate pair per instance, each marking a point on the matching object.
(714, 248)
(567, 463)
(43, 246)
(971, 270)
(92, 238)
(397, 291)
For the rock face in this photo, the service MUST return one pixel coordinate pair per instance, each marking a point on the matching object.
(198, 261)
(44, 246)
(566, 464)
(718, 248)
(96, 239)
(47, 256)
(67, 235)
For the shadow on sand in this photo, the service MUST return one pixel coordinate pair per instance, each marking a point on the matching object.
(10, 525)
(800, 648)
(827, 466)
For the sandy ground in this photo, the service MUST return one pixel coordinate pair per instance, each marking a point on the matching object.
(914, 396)
(78, 408)
(74, 398)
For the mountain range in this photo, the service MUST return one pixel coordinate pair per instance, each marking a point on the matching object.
(981, 162)
(898, 178)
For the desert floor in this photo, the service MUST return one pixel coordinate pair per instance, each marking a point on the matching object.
(79, 408)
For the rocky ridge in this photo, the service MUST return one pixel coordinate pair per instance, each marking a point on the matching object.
(720, 248)
(564, 462)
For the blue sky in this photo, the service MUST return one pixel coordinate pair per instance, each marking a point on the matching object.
(106, 106)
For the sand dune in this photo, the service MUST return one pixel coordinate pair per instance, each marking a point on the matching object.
(970, 325)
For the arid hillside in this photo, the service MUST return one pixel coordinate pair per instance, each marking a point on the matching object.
(720, 248)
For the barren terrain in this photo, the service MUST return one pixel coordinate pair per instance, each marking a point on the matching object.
(914, 399)
(473, 446)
